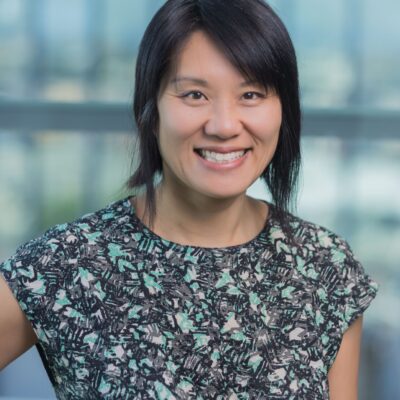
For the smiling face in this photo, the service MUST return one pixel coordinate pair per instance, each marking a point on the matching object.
(217, 131)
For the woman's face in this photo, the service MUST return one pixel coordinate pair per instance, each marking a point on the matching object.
(217, 131)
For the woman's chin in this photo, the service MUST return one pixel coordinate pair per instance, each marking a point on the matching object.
(223, 193)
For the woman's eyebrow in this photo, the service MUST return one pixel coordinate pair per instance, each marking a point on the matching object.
(190, 79)
(250, 83)
(204, 83)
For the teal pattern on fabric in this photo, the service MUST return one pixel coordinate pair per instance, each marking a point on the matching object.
(121, 313)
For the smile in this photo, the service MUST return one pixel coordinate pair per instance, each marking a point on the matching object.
(221, 157)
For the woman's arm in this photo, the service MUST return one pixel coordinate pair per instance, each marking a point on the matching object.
(16, 333)
(343, 375)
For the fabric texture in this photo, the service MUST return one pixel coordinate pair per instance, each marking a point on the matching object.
(121, 313)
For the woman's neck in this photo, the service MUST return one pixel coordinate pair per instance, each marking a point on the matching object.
(205, 222)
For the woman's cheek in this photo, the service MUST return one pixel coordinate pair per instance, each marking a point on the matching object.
(185, 123)
(264, 122)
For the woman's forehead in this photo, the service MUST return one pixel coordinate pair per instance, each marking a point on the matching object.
(199, 60)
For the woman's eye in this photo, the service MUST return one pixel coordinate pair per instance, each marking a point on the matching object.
(194, 95)
(253, 96)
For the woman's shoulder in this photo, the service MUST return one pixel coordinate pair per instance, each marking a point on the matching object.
(302, 233)
(317, 252)
(108, 217)
(65, 239)
(322, 255)
(93, 225)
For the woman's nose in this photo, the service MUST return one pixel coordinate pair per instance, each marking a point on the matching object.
(224, 121)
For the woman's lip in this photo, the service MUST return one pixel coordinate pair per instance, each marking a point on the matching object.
(222, 150)
(225, 165)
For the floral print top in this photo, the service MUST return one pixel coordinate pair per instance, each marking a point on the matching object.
(121, 313)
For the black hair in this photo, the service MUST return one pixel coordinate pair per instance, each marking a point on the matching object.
(256, 42)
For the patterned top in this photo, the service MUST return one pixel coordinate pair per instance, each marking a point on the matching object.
(121, 313)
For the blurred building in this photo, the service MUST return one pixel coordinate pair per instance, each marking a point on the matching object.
(67, 138)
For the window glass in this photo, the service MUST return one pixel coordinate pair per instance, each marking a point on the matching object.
(81, 52)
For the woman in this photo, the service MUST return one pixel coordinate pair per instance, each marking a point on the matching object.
(191, 288)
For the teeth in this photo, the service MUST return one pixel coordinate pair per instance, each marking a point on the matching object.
(221, 157)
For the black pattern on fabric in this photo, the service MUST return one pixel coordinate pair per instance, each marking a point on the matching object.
(121, 313)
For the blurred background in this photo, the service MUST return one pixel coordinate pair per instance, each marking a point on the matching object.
(67, 138)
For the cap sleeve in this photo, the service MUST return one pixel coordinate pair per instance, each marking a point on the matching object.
(350, 292)
(35, 274)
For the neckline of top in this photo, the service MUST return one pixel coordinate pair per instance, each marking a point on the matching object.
(269, 222)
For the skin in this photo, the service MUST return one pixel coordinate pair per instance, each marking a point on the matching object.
(343, 375)
(16, 333)
(211, 205)
(17, 336)
(200, 205)
(207, 103)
